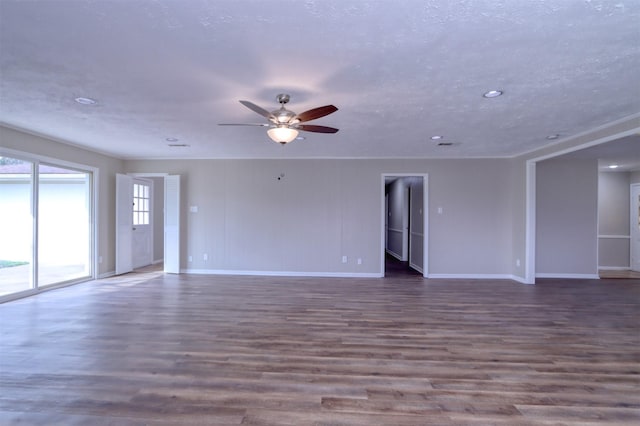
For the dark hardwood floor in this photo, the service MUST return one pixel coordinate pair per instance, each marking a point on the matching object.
(154, 349)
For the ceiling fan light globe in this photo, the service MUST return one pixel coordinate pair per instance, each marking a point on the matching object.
(282, 134)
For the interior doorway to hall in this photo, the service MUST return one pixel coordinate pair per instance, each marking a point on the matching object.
(405, 224)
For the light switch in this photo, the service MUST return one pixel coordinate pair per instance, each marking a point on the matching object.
(193, 209)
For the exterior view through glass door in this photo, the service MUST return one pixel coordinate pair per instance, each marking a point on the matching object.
(16, 225)
(64, 224)
(54, 248)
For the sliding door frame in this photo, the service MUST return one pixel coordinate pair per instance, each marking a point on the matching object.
(36, 160)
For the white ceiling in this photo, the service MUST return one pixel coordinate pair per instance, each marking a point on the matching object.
(399, 72)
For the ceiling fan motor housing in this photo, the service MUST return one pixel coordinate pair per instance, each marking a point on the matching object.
(284, 116)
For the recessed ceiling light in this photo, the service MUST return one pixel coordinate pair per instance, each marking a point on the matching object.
(86, 101)
(172, 139)
(553, 137)
(436, 137)
(300, 138)
(613, 166)
(493, 93)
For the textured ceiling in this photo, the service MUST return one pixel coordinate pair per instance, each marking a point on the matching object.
(399, 72)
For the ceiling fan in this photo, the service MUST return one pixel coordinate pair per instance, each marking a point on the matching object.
(285, 124)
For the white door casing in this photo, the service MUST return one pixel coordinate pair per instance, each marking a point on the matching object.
(124, 224)
(425, 220)
(634, 229)
(172, 224)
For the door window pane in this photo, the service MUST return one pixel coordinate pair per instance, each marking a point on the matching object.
(140, 204)
(16, 225)
(64, 229)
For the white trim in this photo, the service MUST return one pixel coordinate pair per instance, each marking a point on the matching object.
(107, 275)
(632, 225)
(614, 268)
(615, 236)
(282, 273)
(475, 276)
(521, 280)
(569, 276)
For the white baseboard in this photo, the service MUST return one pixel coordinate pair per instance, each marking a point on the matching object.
(614, 268)
(106, 275)
(477, 277)
(283, 273)
(569, 276)
(521, 280)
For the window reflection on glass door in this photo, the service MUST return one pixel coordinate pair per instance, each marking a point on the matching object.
(64, 225)
(16, 225)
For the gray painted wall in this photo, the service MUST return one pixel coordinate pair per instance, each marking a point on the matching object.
(567, 217)
(613, 219)
(321, 210)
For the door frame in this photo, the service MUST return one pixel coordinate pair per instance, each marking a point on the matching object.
(425, 217)
(172, 264)
(530, 200)
(633, 225)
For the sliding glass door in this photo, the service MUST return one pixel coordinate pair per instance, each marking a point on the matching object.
(16, 225)
(64, 224)
(56, 247)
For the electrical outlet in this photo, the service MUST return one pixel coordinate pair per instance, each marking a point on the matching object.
(517, 262)
(205, 256)
(190, 258)
(99, 259)
(344, 259)
(359, 261)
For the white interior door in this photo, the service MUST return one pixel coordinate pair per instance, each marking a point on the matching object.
(124, 223)
(142, 214)
(635, 227)
(172, 224)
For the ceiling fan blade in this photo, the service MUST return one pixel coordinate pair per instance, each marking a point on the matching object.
(244, 124)
(253, 107)
(316, 129)
(312, 114)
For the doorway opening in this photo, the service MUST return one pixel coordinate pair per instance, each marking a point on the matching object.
(404, 224)
(148, 222)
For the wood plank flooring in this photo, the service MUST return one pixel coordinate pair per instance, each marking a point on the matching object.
(154, 349)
